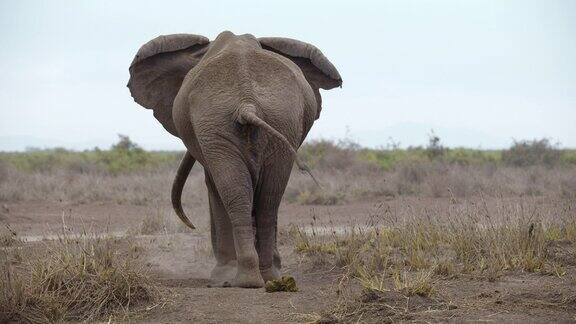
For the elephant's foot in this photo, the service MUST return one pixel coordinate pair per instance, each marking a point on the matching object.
(272, 273)
(223, 274)
(248, 279)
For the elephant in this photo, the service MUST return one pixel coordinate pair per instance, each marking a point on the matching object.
(242, 106)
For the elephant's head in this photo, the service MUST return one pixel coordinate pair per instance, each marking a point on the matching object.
(157, 71)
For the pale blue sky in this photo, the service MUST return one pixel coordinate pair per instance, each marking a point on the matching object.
(479, 72)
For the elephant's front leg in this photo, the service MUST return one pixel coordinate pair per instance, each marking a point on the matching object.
(222, 239)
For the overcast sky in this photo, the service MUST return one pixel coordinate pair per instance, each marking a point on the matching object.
(479, 72)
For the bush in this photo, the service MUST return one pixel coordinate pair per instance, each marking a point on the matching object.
(434, 150)
(535, 152)
(328, 155)
(123, 157)
(568, 157)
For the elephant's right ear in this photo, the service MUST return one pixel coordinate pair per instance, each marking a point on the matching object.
(158, 69)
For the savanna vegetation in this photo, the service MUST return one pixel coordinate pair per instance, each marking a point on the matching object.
(125, 172)
(444, 217)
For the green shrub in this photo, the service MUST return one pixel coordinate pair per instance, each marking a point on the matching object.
(464, 156)
(330, 155)
(123, 157)
(568, 157)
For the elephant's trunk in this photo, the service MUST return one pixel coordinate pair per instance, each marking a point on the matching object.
(247, 115)
(181, 175)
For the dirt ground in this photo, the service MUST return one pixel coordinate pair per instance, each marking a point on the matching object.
(181, 264)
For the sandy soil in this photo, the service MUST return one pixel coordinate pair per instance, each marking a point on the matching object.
(180, 263)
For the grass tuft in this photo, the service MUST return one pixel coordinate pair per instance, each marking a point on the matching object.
(411, 284)
(72, 279)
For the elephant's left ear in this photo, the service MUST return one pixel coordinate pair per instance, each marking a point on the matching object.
(317, 69)
(158, 69)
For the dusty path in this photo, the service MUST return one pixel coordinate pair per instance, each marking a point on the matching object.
(182, 263)
(35, 218)
(194, 302)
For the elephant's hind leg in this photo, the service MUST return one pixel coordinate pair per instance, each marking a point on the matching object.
(222, 239)
(234, 186)
(267, 201)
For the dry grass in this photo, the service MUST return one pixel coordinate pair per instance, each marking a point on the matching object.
(568, 187)
(161, 221)
(347, 172)
(411, 284)
(431, 179)
(8, 237)
(405, 255)
(138, 188)
(512, 236)
(71, 279)
(423, 179)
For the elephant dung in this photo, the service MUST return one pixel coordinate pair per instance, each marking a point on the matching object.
(286, 283)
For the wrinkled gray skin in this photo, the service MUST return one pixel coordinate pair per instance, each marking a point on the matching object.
(241, 106)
